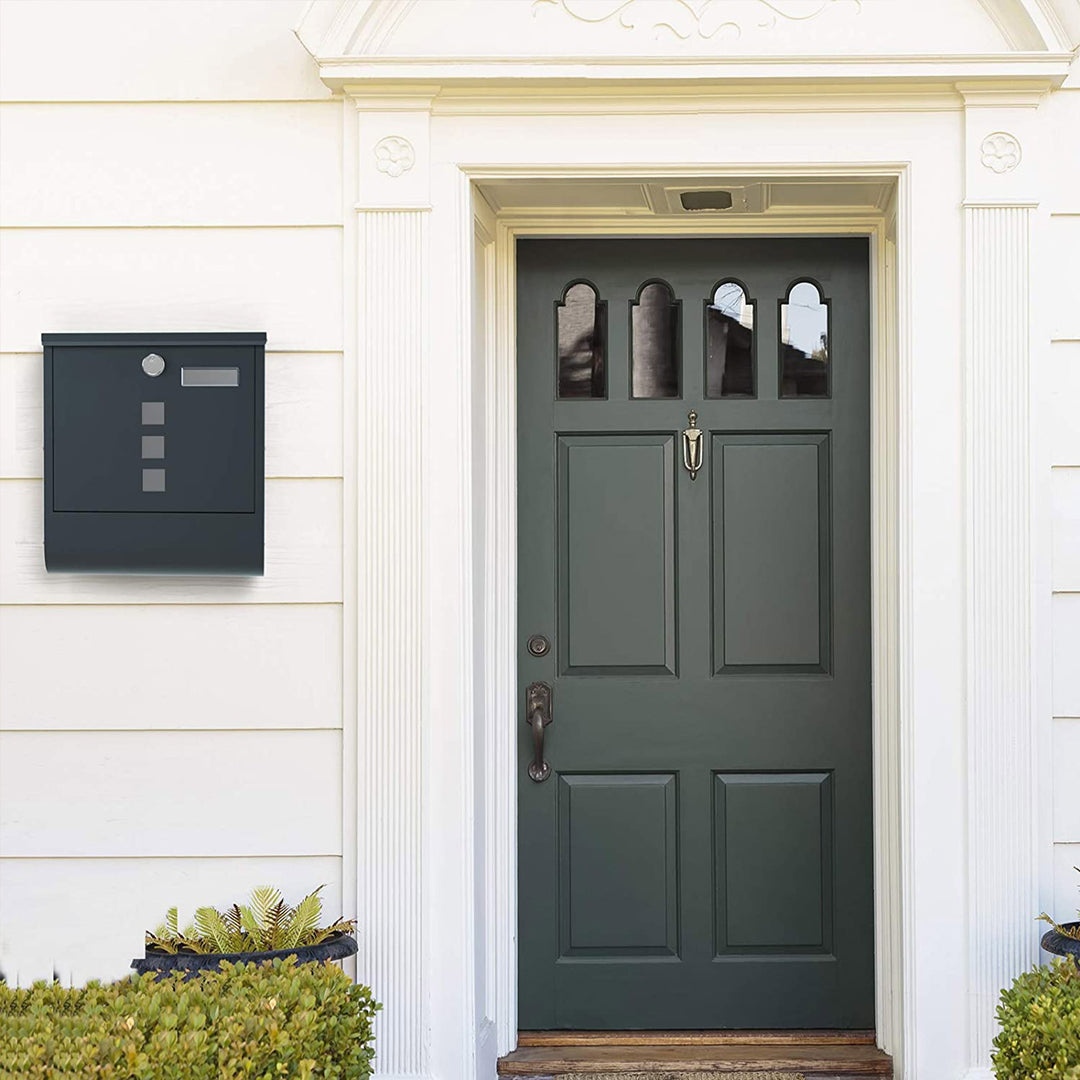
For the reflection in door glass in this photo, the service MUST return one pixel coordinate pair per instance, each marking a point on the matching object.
(729, 342)
(654, 342)
(580, 319)
(804, 342)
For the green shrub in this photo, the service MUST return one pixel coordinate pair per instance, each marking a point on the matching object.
(1040, 1026)
(246, 1022)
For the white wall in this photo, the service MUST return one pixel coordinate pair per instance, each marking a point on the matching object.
(1057, 389)
(168, 740)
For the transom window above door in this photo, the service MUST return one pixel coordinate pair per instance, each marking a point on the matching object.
(796, 333)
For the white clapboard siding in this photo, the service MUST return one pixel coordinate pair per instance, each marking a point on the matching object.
(1066, 638)
(149, 794)
(1063, 401)
(21, 434)
(1065, 510)
(303, 415)
(303, 556)
(183, 164)
(286, 281)
(1066, 881)
(244, 666)
(85, 918)
(1066, 744)
(1064, 243)
(117, 50)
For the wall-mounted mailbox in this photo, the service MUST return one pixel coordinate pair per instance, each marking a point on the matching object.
(154, 453)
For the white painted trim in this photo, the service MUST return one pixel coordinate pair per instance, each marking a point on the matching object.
(917, 1023)
(500, 588)
(1003, 872)
(358, 73)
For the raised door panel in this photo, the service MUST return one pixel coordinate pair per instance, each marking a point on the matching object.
(773, 862)
(616, 536)
(771, 553)
(618, 865)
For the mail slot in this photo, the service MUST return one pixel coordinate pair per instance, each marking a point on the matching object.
(154, 452)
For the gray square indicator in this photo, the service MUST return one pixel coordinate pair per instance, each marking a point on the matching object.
(153, 412)
(153, 446)
(153, 479)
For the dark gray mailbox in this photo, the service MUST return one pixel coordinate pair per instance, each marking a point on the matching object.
(154, 453)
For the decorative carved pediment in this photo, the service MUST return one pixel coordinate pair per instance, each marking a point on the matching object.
(714, 29)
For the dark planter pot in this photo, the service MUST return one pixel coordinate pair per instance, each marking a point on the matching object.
(1061, 944)
(334, 948)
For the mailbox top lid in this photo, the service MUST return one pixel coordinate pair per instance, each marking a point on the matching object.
(155, 338)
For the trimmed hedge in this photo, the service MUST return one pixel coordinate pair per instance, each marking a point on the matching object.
(1040, 1026)
(246, 1022)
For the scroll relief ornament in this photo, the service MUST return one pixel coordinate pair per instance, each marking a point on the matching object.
(394, 155)
(1000, 152)
(689, 18)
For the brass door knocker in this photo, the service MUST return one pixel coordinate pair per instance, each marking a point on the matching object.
(692, 446)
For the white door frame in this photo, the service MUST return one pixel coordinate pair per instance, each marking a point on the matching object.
(499, 591)
(430, 842)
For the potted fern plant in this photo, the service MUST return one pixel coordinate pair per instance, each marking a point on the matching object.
(1064, 938)
(265, 929)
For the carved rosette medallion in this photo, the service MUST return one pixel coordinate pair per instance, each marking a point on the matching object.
(1000, 152)
(394, 155)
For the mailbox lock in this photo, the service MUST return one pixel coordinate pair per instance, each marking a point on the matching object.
(153, 365)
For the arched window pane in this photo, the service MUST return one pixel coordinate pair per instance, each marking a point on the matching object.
(580, 318)
(804, 343)
(729, 343)
(654, 346)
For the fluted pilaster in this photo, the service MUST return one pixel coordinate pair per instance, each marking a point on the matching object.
(1002, 866)
(389, 889)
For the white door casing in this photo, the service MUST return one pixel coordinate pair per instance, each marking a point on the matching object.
(434, 869)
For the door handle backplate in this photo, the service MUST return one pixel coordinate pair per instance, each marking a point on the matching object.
(538, 716)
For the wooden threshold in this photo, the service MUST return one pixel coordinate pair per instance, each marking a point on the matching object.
(694, 1038)
(811, 1055)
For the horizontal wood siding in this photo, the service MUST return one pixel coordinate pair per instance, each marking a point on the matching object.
(93, 911)
(286, 281)
(191, 793)
(169, 740)
(1058, 391)
(1065, 502)
(1066, 655)
(182, 667)
(173, 164)
(188, 50)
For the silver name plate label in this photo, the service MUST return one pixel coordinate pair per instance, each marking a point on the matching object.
(210, 376)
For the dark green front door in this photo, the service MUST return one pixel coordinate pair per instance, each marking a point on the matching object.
(700, 854)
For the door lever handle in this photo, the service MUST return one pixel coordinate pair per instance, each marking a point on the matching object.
(538, 716)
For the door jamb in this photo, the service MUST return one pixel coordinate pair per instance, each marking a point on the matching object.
(495, 353)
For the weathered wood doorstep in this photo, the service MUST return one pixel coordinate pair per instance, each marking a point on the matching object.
(814, 1055)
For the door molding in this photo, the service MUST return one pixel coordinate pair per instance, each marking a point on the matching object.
(890, 496)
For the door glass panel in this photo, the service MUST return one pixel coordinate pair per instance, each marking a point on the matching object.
(729, 342)
(654, 342)
(580, 318)
(804, 342)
